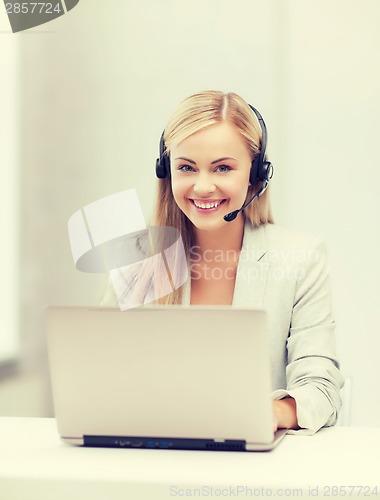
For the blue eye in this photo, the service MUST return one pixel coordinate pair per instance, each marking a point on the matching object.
(185, 168)
(223, 168)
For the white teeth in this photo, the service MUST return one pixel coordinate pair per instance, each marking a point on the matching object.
(206, 205)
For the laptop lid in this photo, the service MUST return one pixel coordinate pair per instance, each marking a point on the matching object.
(161, 372)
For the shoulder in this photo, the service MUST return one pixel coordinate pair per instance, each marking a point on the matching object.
(277, 243)
(281, 237)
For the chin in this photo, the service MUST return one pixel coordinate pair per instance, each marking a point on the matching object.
(208, 225)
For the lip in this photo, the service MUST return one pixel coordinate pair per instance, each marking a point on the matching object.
(207, 210)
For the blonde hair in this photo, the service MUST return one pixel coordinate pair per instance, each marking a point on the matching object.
(198, 111)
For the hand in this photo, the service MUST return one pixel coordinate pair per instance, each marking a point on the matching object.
(275, 416)
(285, 414)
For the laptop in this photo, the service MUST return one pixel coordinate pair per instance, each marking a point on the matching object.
(172, 377)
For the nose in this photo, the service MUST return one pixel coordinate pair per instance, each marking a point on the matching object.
(203, 185)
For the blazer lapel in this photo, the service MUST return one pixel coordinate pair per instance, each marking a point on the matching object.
(252, 273)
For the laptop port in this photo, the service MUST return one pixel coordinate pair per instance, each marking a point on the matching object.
(151, 444)
(165, 444)
(136, 444)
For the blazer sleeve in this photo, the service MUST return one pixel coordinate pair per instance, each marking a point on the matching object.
(312, 373)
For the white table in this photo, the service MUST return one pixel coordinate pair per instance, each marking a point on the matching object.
(36, 464)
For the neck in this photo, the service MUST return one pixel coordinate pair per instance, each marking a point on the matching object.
(228, 238)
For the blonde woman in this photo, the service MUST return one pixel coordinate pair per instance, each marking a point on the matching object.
(212, 163)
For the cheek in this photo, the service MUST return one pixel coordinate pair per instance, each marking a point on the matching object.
(179, 189)
(239, 193)
(237, 188)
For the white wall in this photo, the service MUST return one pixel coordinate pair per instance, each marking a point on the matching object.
(98, 85)
(334, 122)
(9, 196)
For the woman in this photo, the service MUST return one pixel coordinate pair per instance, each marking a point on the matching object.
(208, 168)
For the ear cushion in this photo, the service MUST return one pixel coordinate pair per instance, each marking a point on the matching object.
(166, 161)
(163, 162)
(253, 175)
(267, 171)
(261, 171)
(160, 168)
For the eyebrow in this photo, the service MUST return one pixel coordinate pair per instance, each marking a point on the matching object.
(186, 159)
(212, 163)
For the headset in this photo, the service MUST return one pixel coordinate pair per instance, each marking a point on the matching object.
(261, 169)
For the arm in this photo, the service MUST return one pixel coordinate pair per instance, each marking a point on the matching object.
(312, 372)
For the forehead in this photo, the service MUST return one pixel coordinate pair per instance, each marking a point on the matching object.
(218, 140)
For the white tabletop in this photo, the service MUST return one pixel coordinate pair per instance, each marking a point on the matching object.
(36, 464)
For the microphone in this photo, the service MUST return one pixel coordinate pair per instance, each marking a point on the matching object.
(232, 215)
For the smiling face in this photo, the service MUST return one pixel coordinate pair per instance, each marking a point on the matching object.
(210, 175)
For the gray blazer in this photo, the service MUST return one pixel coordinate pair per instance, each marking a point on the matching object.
(285, 272)
(293, 286)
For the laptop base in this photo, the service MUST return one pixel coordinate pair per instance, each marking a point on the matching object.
(164, 443)
(175, 443)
